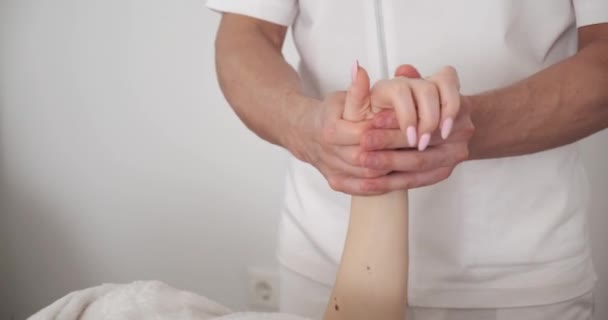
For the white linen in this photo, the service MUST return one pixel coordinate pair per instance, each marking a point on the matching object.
(143, 300)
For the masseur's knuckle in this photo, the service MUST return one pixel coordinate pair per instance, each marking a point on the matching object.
(411, 183)
(373, 173)
(354, 156)
(368, 186)
(385, 172)
(468, 130)
(322, 161)
(386, 162)
(380, 173)
(420, 162)
(438, 176)
(453, 155)
(462, 154)
(427, 89)
(376, 138)
(335, 183)
(387, 138)
(370, 160)
(445, 173)
(329, 133)
(365, 186)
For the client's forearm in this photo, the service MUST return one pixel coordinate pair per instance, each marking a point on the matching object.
(372, 278)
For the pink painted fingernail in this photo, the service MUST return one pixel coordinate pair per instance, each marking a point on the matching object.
(354, 70)
(446, 128)
(411, 136)
(424, 141)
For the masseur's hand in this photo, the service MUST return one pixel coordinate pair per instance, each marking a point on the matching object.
(387, 148)
(330, 135)
(330, 143)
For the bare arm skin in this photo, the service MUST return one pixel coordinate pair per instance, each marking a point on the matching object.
(265, 92)
(554, 107)
(557, 106)
(253, 73)
(372, 278)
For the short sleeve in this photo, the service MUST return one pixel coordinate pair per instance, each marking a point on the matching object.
(281, 12)
(590, 12)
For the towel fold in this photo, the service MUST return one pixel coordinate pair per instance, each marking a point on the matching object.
(143, 300)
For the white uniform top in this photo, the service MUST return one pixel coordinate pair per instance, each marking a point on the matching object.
(497, 233)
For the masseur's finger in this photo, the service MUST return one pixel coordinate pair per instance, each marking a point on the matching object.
(340, 168)
(386, 119)
(415, 161)
(391, 182)
(382, 139)
(385, 133)
(449, 90)
(357, 97)
(397, 94)
(348, 161)
(404, 180)
(408, 71)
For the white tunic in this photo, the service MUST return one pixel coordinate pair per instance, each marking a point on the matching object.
(498, 233)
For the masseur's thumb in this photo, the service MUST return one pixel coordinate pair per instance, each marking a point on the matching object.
(357, 101)
(408, 71)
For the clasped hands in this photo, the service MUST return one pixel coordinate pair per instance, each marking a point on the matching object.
(401, 133)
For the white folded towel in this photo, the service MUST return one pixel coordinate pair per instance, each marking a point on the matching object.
(143, 300)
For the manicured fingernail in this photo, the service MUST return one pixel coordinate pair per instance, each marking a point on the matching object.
(411, 136)
(424, 141)
(354, 70)
(446, 127)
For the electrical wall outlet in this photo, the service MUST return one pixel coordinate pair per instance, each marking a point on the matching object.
(263, 287)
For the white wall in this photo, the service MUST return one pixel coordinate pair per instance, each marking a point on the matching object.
(595, 152)
(124, 162)
(122, 158)
(6, 272)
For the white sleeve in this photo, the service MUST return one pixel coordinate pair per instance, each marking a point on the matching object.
(281, 12)
(590, 12)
